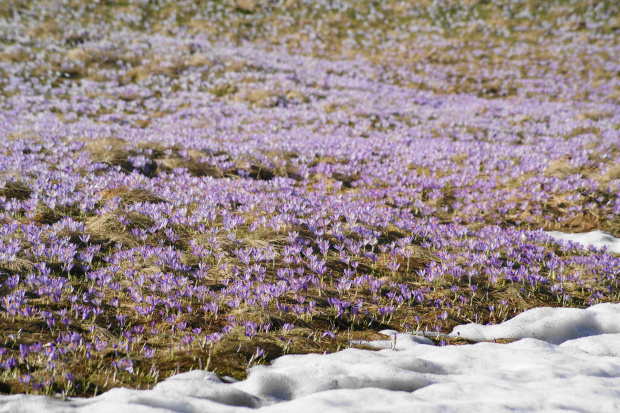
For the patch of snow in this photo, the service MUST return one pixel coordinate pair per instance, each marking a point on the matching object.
(536, 373)
(553, 325)
(605, 345)
(399, 341)
(598, 239)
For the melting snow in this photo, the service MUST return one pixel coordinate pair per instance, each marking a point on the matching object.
(566, 359)
(553, 325)
(598, 239)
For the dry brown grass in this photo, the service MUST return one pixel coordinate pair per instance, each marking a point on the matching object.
(129, 196)
(612, 173)
(112, 151)
(18, 266)
(106, 229)
(15, 190)
(116, 152)
(560, 169)
(195, 165)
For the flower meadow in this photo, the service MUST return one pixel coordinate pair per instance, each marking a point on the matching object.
(211, 185)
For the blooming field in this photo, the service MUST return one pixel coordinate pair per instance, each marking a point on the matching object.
(211, 185)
